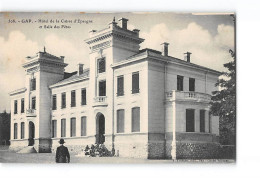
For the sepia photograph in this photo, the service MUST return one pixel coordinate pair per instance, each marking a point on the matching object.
(136, 87)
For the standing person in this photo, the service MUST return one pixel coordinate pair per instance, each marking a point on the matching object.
(62, 153)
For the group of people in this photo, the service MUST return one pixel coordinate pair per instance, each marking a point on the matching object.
(63, 156)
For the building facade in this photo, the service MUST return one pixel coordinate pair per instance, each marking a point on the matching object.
(141, 103)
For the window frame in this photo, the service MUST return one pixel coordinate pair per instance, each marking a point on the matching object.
(203, 121)
(33, 103)
(63, 128)
(192, 87)
(73, 98)
(135, 85)
(83, 99)
(63, 100)
(133, 120)
(99, 89)
(99, 69)
(83, 126)
(73, 128)
(22, 105)
(33, 84)
(180, 80)
(22, 130)
(54, 102)
(120, 128)
(54, 128)
(15, 131)
(15, 106)
(120, 89)
(190, 127)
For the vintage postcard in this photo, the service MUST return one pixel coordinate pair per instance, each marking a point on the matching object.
(117, 87)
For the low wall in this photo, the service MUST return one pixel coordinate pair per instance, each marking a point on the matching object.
(17, 145)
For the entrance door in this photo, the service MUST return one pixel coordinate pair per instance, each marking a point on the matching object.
(100, 122)
(31, 133)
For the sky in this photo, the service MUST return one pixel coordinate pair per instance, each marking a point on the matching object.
(207, 37)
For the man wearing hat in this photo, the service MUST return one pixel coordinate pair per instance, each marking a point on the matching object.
(62, 153)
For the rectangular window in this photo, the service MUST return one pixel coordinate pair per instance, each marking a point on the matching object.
(15, 106)
(136, 119)
(73, 98)
(101, 65)
(120, 120)
(34, 102)
(190, 125)
(54, 128)
(63, 100)
(102, 88)
(179, 83)
(120, 86)
(15, 130)
(63, 128)
(72, 127)
(33, 84)
(54, 102)
(83, 96)
(83, 126)
(135, 82)
(22, 130)
(22, 105)
(191, 84)
(202, 120)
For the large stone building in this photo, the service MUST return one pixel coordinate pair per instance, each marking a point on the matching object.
(143, 103)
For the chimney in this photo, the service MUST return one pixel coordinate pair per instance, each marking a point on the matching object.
(62, 58)
(136, 31)
(187, 56)
(80, 68)
(165, 49)
(123, 23)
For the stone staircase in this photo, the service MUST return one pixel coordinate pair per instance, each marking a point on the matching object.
(27, 150)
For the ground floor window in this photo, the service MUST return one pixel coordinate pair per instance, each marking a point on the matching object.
(54, 128)
(190, 124)
(63, 128)
(136, 119)
(15, 130)
(202, 120)
(83, 126)
(22, 130)
(72, 127)
(120, 120)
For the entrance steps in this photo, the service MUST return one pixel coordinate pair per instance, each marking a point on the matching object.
(27, 150)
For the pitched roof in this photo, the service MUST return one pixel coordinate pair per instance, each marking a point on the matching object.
(74, 78)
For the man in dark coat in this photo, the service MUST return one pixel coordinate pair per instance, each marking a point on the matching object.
(62, 153)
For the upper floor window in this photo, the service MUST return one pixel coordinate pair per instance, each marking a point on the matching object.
(120, 120)
(191, 84)
(101, 65)
(136, 119)
(83, 96)
(190, 121)
(54, 102)
(33, 84)
(120, 86)
(73, 98)
(135, 82)
(34, 102)
(102, 88)
(63, 100)
(15, 106)
(179, 83)
(22, 105)
(202, 120)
